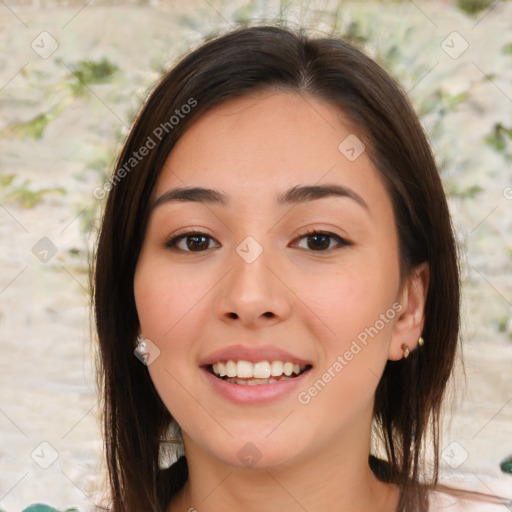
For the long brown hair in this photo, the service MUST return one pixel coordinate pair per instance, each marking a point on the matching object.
(409, 395)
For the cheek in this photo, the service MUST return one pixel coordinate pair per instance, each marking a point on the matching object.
(356, 308)
(355, 333)
(172, 310)
(349, 302)
(166, 297)
(169, 306)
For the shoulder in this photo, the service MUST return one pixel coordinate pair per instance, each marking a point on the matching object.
(446, 499)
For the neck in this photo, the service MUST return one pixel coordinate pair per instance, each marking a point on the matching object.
(337, 478)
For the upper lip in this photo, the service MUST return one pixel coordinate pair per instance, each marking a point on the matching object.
(253, 355)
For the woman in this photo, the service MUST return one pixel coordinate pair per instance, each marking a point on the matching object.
(277, 249)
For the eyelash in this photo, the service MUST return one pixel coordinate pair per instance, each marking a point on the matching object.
(342, 242)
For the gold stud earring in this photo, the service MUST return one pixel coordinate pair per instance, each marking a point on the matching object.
(405, 348)
(421, 341)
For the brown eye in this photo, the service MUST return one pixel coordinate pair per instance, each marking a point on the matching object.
(320, 241)
(193, 242)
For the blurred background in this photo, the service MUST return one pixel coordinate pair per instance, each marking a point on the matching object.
(72, 76)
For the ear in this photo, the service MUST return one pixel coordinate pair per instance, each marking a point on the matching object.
(409, 325)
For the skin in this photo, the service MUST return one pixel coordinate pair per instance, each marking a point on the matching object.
(313, 456)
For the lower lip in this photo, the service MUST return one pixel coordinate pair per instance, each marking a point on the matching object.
(260, 393)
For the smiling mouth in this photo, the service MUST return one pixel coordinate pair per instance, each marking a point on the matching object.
(246, 373)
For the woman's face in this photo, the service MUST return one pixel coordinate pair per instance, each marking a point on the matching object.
(257, 294)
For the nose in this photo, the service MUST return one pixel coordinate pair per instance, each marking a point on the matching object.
(254, 294)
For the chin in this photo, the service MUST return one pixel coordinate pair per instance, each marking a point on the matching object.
(250, 449)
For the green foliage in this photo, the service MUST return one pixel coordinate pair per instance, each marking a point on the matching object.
(5, 181)
(34, 128)
(474, 6)
(497, 139)
(355, 34)
(507, 49)
(453, 189)
(39, 507)
(89, 218)
(454, 100)
(88, 72)
(102, 164)
(27, 197)
(244, 14)
(441, 102)
(85, 73)
(501, 324)
(506, 465)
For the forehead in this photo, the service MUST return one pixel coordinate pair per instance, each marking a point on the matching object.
(267, 142)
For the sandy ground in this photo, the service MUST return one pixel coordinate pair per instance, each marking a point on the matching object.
(50, 447)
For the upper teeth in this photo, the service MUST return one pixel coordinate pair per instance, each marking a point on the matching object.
(259, 370)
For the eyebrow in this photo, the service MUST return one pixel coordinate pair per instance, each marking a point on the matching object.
(294, 195)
